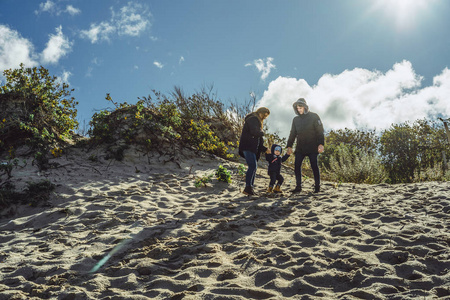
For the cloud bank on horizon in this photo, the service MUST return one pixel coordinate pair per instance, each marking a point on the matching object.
(360, 98)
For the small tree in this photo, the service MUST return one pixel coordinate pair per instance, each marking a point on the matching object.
(49, 115)
(400, 151)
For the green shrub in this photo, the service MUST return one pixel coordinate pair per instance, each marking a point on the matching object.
(162, 123)
(222, 174)
(48, 114)
(409, 149)
(350, 164)
(358, 139)
(34, 194)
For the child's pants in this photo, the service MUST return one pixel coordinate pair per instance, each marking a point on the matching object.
(274, 176)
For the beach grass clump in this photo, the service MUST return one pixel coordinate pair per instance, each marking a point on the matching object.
(350, 164)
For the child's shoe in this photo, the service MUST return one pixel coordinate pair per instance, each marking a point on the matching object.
(270, 189)
(277, 189)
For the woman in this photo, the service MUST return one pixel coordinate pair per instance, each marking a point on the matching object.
(251, 145)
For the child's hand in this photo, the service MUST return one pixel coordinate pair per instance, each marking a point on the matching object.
(268, 151)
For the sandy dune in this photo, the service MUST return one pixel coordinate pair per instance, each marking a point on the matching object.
(140, 229)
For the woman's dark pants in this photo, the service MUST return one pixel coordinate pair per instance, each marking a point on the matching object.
(250, 157)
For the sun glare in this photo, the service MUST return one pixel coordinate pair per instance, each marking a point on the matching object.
(404, 13)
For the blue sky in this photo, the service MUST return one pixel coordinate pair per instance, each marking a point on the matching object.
(359, 64)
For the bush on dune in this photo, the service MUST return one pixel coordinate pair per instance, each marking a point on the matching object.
(168, 124)
(36, 110)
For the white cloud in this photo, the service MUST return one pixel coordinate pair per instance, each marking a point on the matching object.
(14, 49)
(53, 8)
(64, 78)
(72, 10)
(181, 60)
(48, 6)
(57, 47)
(264, 67)
(131, 20)
(360, 98)
(98, 32)
(158, 64)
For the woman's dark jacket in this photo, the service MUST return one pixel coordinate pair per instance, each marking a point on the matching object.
(308, 130)
(252, 136)
(275, 160)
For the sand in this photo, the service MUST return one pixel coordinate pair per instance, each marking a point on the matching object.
(140, 229)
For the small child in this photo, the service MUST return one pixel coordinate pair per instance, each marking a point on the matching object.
(274, 158)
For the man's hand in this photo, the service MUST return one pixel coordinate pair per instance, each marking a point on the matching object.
(289, 150)
(320, 149)
(268, 151)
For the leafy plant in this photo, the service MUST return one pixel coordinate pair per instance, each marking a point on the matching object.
(48, 113)
(241, 170)
(222, 174)
(202, 181)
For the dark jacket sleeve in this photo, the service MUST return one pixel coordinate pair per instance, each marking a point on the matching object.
(318, 126)
(292, 136)
(285, 157)
(262, 148)
(254, 126)
(269, 157)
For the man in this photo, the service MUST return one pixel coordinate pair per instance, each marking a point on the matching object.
(307, 128)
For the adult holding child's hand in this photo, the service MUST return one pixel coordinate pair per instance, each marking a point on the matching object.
(307, 129)
(251, 145)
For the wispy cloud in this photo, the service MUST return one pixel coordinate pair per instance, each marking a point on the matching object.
(99, 32)
(64, 77)
(181, 60)
(360, 98)
(48, 6)
(72, 10)
(15, 49)
(264, 67)
(158, 64)
(57, 47)
(55, 8)
(131, 20)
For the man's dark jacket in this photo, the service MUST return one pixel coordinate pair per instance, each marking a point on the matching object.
(252, 136)
(308, 129)
(275, 160)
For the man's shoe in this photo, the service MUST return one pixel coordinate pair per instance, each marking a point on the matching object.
(277, 189)
(249, 191)
(270, 189)
(297, 189)
(316, 188)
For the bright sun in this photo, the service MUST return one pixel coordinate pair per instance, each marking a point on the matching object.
(404, 12)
